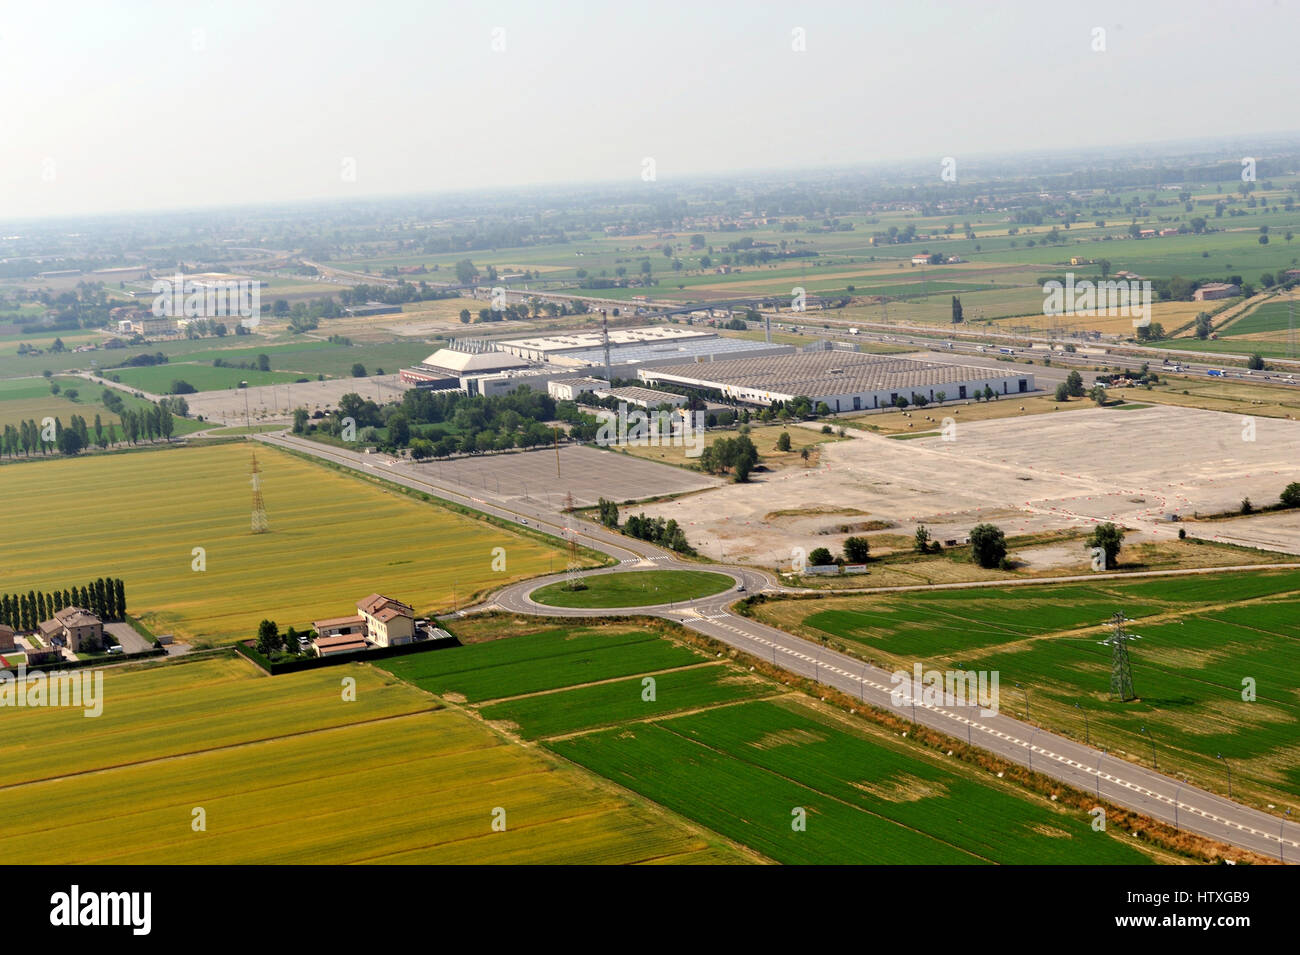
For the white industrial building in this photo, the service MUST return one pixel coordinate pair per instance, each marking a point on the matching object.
(444, 369)
(846, 381)
(570, 389)
(643, 397)
(550, 347)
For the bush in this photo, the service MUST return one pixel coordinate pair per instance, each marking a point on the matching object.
(783, 442)
(827, 429)
(1291, 494)
(1062, 392)
(988, 545)
(857, 550)
(1246, 506)
(1109, 538)
(820, 557)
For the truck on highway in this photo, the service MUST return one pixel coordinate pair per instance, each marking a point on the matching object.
(853, 331)
(1216, 373)
(1007, 351)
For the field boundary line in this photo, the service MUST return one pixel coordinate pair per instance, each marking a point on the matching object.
(776, 694)
(612, 679)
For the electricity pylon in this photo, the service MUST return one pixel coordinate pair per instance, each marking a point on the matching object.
(1121, 670)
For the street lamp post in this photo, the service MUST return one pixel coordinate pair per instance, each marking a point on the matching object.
(1229, 769)
(1152, 740)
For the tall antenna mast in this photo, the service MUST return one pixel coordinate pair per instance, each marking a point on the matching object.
(1121, 670)
(260, 525)
(604, 337)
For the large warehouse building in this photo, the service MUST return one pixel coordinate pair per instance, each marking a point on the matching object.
(444, 369)
(846, 381)
(487, 366)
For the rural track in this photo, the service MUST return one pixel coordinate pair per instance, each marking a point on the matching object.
(1146, 791)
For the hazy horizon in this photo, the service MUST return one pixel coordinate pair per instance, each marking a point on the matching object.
(174, 108)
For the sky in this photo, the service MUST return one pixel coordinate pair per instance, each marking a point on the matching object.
(143, 106)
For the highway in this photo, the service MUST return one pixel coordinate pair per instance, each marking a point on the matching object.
(1168, 799)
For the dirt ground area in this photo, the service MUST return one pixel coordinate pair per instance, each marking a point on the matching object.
(1277, 531)
(1027, 475)
(275, 403)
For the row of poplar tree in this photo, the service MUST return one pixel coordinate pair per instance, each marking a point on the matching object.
(104, 597)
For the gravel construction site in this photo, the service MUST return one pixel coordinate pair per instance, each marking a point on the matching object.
(586, 473)
(1137, 467)
(275, 403)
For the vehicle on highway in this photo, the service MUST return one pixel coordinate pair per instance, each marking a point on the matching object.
(1216, 373)
(740, 588)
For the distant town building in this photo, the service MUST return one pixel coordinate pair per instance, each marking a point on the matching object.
(922, 258)
(372, 308)
(7, 644)
(1215, 290)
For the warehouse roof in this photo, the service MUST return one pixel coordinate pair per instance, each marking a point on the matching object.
(461, 362)
(683, 350)
(823, 373)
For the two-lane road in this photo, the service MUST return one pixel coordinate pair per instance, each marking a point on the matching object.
(1123, 783)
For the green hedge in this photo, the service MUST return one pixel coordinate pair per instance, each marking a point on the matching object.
(97, 661)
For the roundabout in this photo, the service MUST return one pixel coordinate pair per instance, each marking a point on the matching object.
(633, 589)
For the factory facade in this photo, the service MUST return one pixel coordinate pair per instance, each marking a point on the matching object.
(845, 381)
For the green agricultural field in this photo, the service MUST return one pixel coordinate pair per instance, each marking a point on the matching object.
(554, 657)
(334, 539)
(30, 398)
(1275, 316)
(618, 701)
(313, 357)
(303, 776)
(157, 379)
(737, 752)
(634, 589)
(1203, 639)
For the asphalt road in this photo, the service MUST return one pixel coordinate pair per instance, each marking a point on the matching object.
(1143, 790)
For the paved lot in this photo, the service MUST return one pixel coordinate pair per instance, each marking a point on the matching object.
(1029, 474)
(126, 635)
(275, 403)
(585, 472)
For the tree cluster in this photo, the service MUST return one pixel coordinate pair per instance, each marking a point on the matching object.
(105, 597)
